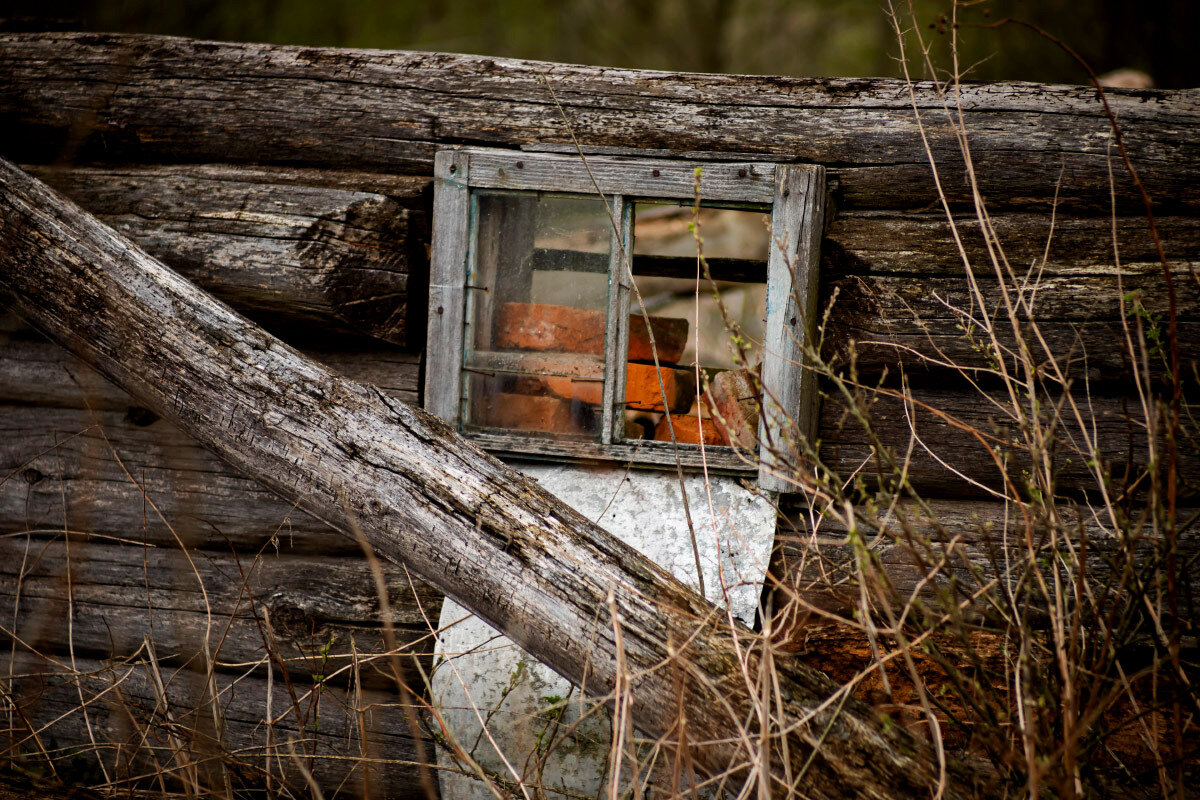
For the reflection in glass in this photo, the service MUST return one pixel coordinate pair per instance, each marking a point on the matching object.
(537, 313)
(717, 326)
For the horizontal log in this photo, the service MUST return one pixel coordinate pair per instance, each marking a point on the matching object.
(70, 454)
(175, 470)
(227, 229)
(1087, 324)
(183, 479)
(315, 615)
(49, 454)
(959, 439)
(36, 372)
(924, 243)
(164, 205)
(140, 729)
(68, 97)
(273, 244)
(207, 504)
(815, 561)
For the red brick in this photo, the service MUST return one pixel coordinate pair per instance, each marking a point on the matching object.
(642, 392)
(670, 337)
(531, 412)
(688, 429)
(733, 399)
(565, 329)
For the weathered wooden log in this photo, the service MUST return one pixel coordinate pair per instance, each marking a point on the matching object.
(205, 503)
(923, 323)
(271, 245)
(596, 611)
(154, 99)
(54, 445)
(35, 372)
(816, 562)
(165, 206)
(310, 613)
(921, 242)
(52, 452)
(262, 240)
(142, 726)
(211, 508)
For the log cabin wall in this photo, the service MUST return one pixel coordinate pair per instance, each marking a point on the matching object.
(294, 183)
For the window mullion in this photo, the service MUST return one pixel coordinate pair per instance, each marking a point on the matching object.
(448, 270)
(789, 390)
(616, 335)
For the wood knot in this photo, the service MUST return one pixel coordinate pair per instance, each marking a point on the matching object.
(140, 416)
(369, 258)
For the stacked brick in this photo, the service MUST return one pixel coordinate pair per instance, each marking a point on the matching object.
(726, 415)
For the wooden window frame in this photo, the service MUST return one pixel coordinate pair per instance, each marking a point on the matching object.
(795, 196)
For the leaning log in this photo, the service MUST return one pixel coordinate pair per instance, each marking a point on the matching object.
(598, 612)
(75, 97)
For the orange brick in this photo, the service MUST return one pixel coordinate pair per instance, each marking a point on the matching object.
(733, 398)
(688, 429)
(565, 329)
(589, 391)
(642, 392)
(531, 412)
(670, 337)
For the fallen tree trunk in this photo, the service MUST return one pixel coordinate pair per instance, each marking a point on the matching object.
(596, 611)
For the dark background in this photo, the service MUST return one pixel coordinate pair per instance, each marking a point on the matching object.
(788, 37)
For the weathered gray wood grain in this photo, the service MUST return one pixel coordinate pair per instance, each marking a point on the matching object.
(926, 323)
(921, 242)
(447, 279)
(277, 248)
(175, 180)
(789, 387)
(53, 447)
(312, 614)
(156, 99)
(957, 437)
(141, 728)
(728, 182)
(815, 560)
(889, 269)
(207, 504)
(35, 372)
(364, 461)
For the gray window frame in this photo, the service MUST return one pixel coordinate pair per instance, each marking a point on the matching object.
(795, 196)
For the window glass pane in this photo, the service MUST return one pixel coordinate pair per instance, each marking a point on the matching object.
(715, 325)
(537, 313)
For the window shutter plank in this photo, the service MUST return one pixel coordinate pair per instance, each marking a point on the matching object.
(789, 390)
(447, 275)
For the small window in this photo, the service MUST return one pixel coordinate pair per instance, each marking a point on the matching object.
(570, 317)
